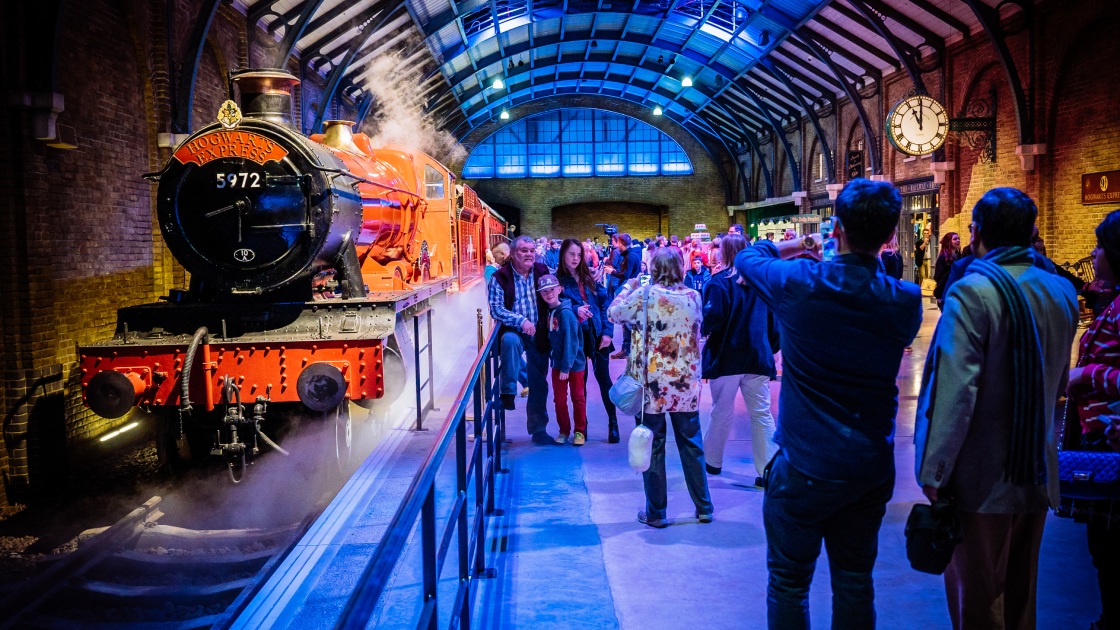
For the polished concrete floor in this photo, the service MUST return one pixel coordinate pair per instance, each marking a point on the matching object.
(575, 557)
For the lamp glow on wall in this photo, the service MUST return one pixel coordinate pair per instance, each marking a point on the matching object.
(505, 115)
(687, 82)
(497, 84)
(657, 111)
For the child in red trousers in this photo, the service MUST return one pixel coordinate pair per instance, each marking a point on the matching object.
(569, 363)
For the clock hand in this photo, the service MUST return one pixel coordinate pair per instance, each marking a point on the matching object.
(238, 205)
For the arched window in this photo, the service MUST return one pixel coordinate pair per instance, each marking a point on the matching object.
(576, 143)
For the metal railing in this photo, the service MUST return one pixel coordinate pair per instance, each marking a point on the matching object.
(422, 408)
(480, 391)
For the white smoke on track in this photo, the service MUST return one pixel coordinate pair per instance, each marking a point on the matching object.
(399, 117)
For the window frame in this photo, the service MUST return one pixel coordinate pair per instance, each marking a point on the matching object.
(640, 146)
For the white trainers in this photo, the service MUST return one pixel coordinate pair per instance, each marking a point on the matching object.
(561, 439)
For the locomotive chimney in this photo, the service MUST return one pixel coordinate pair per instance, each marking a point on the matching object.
(337, 134)
(267, 95)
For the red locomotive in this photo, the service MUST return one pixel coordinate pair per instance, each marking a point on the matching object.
(306, 257)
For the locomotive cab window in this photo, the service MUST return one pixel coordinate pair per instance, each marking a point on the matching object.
(433, 183)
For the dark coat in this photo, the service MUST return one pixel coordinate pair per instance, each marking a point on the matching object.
(504, 278)
(941, 271)
(566, 338)
(697, 281)
(629, 265)
(892, 264)
(738, 326)
(598, 325)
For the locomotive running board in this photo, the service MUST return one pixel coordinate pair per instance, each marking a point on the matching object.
(372, 317)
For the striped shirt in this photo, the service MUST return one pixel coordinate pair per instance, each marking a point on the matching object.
(524, 301)
(1100, 358)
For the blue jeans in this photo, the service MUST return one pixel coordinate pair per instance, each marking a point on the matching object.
(799, 511)
(513, 344)
(690, 445)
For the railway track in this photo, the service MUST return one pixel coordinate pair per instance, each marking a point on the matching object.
(141, 575)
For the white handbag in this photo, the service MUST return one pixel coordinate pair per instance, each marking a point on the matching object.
(640, 445)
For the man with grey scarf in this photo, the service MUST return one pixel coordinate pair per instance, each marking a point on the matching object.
(985, 434)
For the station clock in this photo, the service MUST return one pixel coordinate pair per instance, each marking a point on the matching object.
(918, 125)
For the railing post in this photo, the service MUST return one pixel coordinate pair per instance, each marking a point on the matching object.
(431, 365)
(462, 526)
(416, 366)
(428, 535)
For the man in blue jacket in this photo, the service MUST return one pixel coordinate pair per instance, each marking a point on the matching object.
(844, 326)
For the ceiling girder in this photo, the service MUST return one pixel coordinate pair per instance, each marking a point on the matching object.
(184, 92)
(853, 96)
(293, 33)
(807, 106)
(859, 42)
(313, 51)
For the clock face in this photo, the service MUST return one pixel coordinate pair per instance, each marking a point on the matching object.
(918, 125)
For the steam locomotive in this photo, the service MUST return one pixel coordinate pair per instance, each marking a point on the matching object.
(306, 257)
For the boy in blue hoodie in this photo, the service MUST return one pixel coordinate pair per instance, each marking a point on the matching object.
(569, 363)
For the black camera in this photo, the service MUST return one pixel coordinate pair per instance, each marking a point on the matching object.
(608, 229)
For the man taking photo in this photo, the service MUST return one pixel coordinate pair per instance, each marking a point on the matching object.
(844, 325)
(516, 305)
(629, 266)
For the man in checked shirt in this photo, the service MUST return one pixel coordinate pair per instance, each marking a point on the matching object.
(517, 306)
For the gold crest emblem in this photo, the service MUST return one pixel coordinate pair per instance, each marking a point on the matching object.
(229, 114)
(1104, 183)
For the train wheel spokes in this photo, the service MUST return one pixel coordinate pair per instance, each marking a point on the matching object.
(343, 436)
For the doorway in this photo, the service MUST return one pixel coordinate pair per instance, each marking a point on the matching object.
(581, 220)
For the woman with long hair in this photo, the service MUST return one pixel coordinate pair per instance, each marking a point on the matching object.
(738, 359)
(666, 359)
(950, 253)
(589, 298)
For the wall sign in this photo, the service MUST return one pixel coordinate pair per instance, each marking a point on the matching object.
(914, 188)
(1100, 187)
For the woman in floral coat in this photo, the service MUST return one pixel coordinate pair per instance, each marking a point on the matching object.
(672, 377)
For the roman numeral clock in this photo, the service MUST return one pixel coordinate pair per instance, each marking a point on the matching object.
(918, 125)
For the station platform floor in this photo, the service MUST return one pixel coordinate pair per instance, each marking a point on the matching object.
(574, 555)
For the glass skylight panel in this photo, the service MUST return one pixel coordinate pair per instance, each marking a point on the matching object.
(576, 143)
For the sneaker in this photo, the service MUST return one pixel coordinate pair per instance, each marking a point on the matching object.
(524, 392)
(758, 482)
(507, 402)
(712, 470)
(704, 518)
(579, 440)
(562, 438)
(619, 355)
(657, 523)
(542, 438)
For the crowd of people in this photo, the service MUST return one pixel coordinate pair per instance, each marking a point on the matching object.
(717, 312)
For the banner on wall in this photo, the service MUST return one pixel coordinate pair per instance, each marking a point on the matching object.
(1100, 187)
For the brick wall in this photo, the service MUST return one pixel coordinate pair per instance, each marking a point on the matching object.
(636, 219)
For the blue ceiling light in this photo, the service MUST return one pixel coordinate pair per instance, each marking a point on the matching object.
(657, 111)
(687, 82)
(505, 115)
(497, 85)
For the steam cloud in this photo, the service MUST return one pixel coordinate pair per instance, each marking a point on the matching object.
(399, 113)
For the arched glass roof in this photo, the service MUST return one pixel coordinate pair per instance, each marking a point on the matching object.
(577, 143)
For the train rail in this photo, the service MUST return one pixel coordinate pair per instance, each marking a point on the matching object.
(139, 574)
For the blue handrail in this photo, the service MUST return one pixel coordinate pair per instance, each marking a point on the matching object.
(481, 389)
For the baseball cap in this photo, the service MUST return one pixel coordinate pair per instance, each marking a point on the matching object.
(547, 281)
